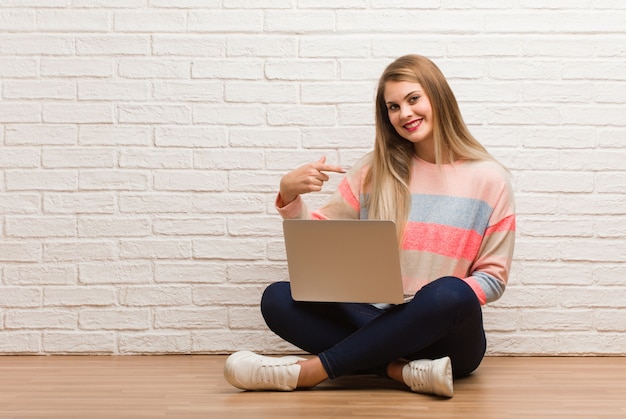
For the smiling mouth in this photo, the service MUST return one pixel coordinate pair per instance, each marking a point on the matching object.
(413, 125)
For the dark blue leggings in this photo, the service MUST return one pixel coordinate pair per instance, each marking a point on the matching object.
(444, 319)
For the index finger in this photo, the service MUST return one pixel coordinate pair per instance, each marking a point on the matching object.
(330, 168)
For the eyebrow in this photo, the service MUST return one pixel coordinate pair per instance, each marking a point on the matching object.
(409, 94)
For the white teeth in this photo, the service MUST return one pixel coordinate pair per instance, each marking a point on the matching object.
(413, 124)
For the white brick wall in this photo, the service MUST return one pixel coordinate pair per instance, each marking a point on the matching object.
(142, 142)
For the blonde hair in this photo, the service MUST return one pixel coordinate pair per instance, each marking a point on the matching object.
(390, 166)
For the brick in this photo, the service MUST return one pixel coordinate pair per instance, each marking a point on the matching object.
(41, 275)
(230, 341)
(228, 248)
(345, 92)
(77, 250)
(17, 203)
(112, 227)
(92, 113)
(301, 115)
(191, 136)
(150, 21)
(19, 158)
(155, 203)
(583, 343)
(245, 92)
(398, 21)
(41, 319)
(148, 68)
(18, 67)
(557, 320)
(107, 319)
(190, 272)
(108, 180)
(256, 272)
(229, 159)
(330, 46)
(248, 181)
(197, 180)
(261, 46)
(245, 318)
(17, 20)
(592, 250)
(241, 294)
(22, 227)
(188, 45)
(556, 181)
(192, 318)
(20, 113)
(73, 20)
(76, 67)
(226, 21)
(162, 296)
(36, 44)
(299, 21)
(110, 90)
(65, 158)
(259, 4)
(107, 273)
(79, 203)
(154, 114)
(227, 69)
(117, 135)
(140, 158)
(257, 226)
(20, 342)
(154, 343)
(610, 321)
(189, 227)
(263, 137)
(155, 249)
(49, 180)
(112, 44)
(350, 137)
(301, 70)
(196, 91)
(20, 297)
(20, 251)
(39, 90)
(79, 343)
(227, 203)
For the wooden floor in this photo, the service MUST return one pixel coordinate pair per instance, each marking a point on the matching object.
(193, 386)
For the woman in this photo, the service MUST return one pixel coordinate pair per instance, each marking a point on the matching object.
(453, 207)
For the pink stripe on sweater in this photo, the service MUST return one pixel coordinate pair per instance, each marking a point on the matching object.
(506, 224)
(444, 240)
(346, 193)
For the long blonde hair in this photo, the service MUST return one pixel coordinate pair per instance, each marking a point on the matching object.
(389, 175)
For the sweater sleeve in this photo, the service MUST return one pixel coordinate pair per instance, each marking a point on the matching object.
(490, 269)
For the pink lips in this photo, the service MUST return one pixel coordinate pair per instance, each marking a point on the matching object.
(413, 125)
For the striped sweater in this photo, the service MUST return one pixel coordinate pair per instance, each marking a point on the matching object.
(461, 222)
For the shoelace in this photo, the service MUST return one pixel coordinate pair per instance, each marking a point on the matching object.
(420, 377)
(270, 372)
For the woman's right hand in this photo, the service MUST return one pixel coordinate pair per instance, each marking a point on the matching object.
(305, 179)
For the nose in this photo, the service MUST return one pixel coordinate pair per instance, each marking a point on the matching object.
(406, 111)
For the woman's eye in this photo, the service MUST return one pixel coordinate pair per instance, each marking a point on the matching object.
(414, 99)
(392, 107)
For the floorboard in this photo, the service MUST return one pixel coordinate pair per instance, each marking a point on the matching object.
(193, 386)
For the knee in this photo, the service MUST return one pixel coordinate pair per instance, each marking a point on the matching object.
(450, 291)
(273, 299)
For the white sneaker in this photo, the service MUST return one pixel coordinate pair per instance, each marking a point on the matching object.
(429, 376)
(249, 371)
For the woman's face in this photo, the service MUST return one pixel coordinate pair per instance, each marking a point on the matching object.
(410, 114)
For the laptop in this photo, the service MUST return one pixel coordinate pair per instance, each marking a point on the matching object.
(355, 261)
